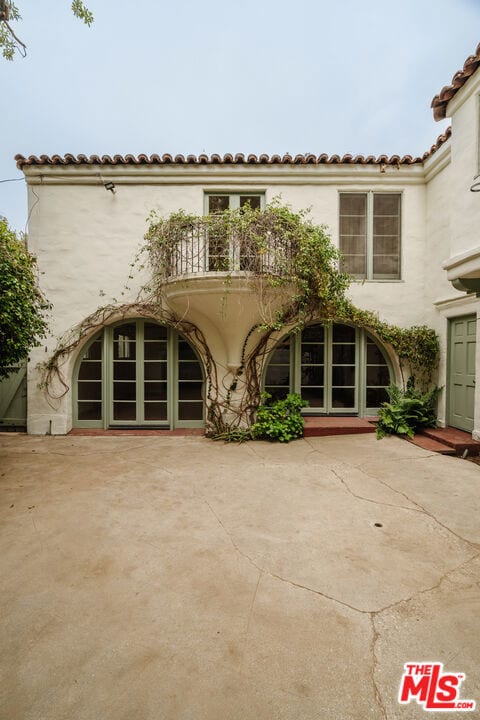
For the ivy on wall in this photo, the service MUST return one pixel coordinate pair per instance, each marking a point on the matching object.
(272, 247)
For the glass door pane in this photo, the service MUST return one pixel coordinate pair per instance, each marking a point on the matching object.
(312, 366)
(155, 377)
(190, 383)
(343, 368)
(218, 245)
(124, 373)
(377, 376)
(89, 385)
(277, 376)
(249, 257)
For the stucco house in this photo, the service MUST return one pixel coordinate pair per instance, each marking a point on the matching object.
(407, 227)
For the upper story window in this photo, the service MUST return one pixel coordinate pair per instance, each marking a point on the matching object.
(218, 202)
(225, 252)
(370, 235)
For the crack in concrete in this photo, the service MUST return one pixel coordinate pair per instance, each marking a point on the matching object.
(370, 500)
(250, 612)
(326, 595)
(417, 508)
(437, 585)
(251, 449)
(68, 452)
(376, 689)
(413, 457)
(372, 614)
(249, 619)
(474, 545)
(155, 466)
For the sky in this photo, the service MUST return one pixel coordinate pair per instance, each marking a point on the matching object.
(251, 76)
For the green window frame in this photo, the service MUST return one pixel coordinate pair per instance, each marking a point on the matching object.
(231, 200)
(225, 254)
(370, 234)
(150, 375)
(337, 375)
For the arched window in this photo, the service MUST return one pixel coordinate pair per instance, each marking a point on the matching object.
(138, 373)
(338, 368)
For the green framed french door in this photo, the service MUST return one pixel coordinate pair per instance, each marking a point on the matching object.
(462, 336)
(337, 368)
(139, 374)
(325, 368)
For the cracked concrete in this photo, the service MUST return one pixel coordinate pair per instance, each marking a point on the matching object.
(173, 577)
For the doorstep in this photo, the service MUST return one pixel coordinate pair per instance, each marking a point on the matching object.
(322, 426)
(93, 432)
(448, 441)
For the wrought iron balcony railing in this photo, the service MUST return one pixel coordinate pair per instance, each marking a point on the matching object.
(200, 249)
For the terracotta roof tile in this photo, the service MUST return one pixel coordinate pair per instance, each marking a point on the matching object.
(440, 101)
(229, 159)
(439, 141)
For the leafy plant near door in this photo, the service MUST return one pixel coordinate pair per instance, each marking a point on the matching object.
(282, 420)
(408, 410)
(284, 251)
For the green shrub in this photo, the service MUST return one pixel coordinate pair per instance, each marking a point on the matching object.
(23, 309)
(407, 411)
(282, 420)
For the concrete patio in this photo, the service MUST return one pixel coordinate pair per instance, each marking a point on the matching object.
(165, 578)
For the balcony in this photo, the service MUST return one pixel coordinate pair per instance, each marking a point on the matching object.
(219, 279)
(201, 247)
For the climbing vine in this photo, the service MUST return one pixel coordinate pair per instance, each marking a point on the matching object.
(273, 246)
(417, 347)
(281, 254)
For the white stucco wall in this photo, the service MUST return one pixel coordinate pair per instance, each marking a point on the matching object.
(450, 194)
(86, 237)
(464, 110)
(399, 302)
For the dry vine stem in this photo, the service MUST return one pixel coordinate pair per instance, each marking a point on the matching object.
(276, 251)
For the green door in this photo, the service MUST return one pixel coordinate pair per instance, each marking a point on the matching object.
(461, 372)
(338, 369)
(13, 400)
(328, 368)
(139, 373)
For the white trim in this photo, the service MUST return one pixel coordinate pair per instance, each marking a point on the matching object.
(438, 161)
(461, 305)
(463, 265)
(471, 86)
(227, 175)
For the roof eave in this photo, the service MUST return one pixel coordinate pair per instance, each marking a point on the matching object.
(440, 102)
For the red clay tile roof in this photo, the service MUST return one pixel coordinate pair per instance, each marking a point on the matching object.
(440, 101)
(438, 142)
(229, 159)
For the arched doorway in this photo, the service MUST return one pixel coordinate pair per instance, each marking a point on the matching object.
(338, 368)
(138, 373)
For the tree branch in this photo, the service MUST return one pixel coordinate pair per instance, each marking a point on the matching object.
(21, 46)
